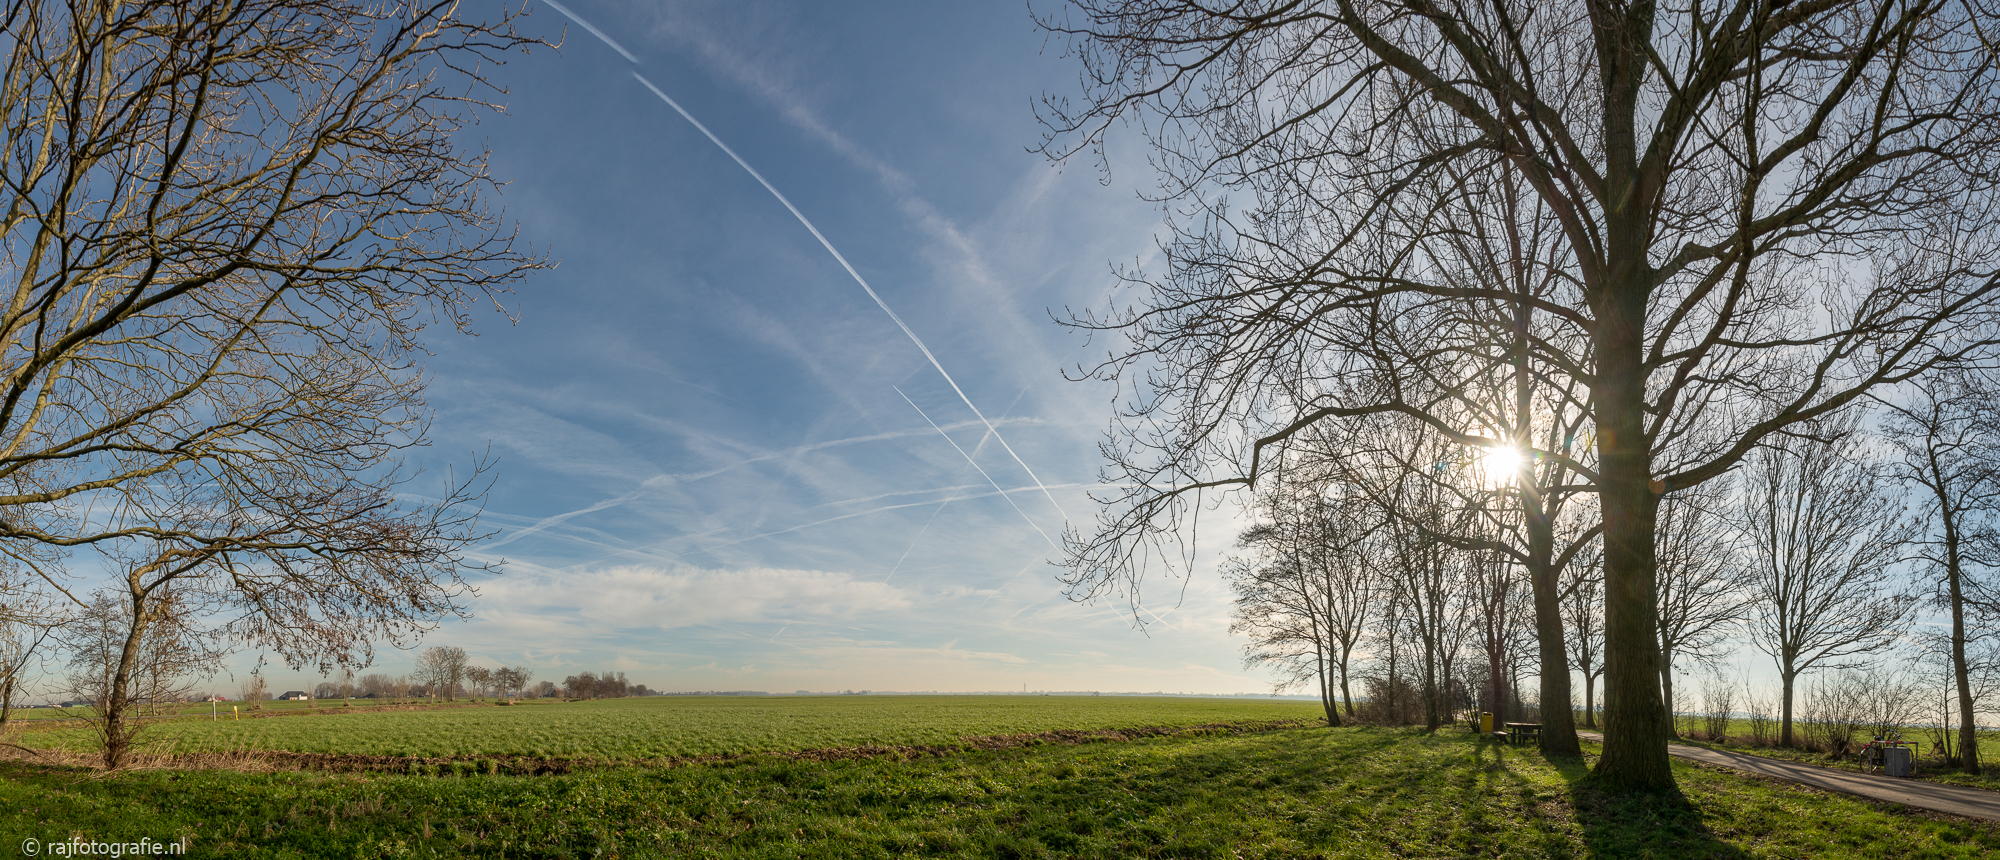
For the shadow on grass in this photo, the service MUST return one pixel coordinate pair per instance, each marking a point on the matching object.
(1638, 823)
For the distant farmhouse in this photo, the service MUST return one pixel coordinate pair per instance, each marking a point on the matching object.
(295, 696)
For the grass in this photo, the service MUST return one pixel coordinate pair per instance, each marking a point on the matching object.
(687, 726)
(1347, 793)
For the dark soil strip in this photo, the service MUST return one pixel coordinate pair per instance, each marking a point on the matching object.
(534, 766)
(53, 723)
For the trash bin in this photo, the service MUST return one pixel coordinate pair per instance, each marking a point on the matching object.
(1897, 761)
(1485, 723)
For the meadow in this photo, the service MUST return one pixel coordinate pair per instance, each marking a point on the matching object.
(1296, 793)
(661, 727)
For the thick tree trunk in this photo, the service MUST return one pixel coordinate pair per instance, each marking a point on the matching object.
(1635, 749)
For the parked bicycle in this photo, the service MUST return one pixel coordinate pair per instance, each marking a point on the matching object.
(1876, 756)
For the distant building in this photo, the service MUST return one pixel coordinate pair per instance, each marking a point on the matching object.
(295, 696)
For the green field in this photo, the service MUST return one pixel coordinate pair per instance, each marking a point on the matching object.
(1299, 793)
(686, 726)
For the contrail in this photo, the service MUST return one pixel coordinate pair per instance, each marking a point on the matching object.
(864, 285)
(920, 536)
(593, 31)
(975, 465)
(837, 256)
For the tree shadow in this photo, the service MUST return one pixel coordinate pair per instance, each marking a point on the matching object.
(1620, 823)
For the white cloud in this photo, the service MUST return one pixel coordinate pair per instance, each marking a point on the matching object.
(634, 596)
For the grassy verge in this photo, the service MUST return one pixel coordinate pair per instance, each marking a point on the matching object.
(1298, 793)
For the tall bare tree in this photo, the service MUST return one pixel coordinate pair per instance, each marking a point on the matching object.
(1946, 435)
(1766, 211)
(1583, 617)
(1823, 539)
(227, 226)
(1701, 581)
(1304, 592)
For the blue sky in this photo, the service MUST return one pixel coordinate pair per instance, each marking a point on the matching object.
(709, 476)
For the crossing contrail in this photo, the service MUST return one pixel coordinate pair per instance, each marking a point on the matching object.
(864, 285)
(912, 335)
(975, 465)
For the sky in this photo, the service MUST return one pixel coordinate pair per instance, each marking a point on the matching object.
(722, 465)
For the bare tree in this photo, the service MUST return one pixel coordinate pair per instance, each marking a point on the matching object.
(1823, 540)
(227, 226)
(480, 678)
(256, 688)
(1425, 598)
(22, 637)
(440, 668)
(514, 680)
(1303, 595)
(128, 664)
(1701, 580)
(1764, 211)
(1583, 616)
(1945, 432)
(1718, 706)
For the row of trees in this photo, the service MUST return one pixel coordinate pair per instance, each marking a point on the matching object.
(1626, 245)
(1820, 553)
(609, 685)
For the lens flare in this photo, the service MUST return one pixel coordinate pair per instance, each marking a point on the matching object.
(1502, 462)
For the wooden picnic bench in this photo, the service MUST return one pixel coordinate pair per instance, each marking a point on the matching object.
(1518, 732)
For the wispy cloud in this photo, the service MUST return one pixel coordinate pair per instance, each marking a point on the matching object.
(666, 598)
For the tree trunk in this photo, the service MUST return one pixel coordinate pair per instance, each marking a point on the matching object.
(118, 736)
(1785, 677)
(1635, 749)
(1326, 692)
(1968, 738)
(1954, 570)
(1558, 722)
(1590, 700)
(1346, 698)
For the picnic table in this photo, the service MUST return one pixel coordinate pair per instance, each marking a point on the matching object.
(1518, 732)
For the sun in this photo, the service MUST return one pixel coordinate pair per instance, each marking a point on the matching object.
(1502, 463)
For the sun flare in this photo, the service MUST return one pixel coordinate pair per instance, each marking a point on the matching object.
(1502, 462)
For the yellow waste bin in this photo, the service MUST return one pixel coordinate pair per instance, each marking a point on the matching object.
(1485, 722)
